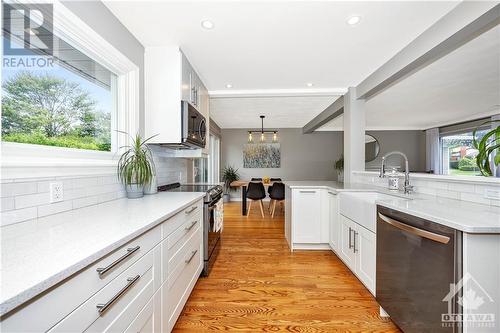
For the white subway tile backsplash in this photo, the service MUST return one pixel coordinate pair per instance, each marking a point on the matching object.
(32, 200)
(84, 202)
(18, 215)
(85, 182)
(29, 198)
(453, 189)
(7, 204)
(13, 189)
(461, 187)
(54, 208)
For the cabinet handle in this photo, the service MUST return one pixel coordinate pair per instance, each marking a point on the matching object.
(191, 257)
(102, 308)
(331, 193)
(354, 242)
(190, 210)
(103, 270)
(192, 225)
(307, 191)
(350, 246)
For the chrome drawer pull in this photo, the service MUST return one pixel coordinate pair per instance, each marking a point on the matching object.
(350, 245)
(191, 257)
(190, 211)
(354, 241)
(102, 308)
(191, 226)
(307, 191)
(416, 231)
(103, 270)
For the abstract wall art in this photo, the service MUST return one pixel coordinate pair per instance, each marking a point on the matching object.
(262, 155)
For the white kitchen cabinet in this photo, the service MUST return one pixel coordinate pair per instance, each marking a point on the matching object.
(365, 246)
(149, 319)
(357, 249)
(306, 219)
(130, 295)
(346, 252)
(169, 78)
(333, 217)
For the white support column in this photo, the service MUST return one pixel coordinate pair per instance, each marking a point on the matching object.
(354, 134)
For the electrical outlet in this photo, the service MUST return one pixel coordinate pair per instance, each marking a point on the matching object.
(56, 192)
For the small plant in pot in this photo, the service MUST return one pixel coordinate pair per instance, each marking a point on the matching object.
(229, 175)
(136, 167)
(339, 166)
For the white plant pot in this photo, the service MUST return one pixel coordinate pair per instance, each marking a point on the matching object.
(340, 176)
(227, 198)
(152, 187)
(134, 191)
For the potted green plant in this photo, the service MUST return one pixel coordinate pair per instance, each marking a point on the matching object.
(488, 149)
(229, 175)
(136, 167)
(339, 166)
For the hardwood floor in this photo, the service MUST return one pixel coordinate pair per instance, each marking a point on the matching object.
(257, 284)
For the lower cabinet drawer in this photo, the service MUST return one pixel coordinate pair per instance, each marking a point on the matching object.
(113, 308)
(51, 307)
(182, 278)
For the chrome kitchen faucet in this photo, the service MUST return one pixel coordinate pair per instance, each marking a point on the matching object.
(407, 188)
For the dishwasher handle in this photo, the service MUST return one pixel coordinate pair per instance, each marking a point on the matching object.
(413, 230)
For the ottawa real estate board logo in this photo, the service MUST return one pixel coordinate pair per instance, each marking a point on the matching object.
(474, 301)
(28, 40)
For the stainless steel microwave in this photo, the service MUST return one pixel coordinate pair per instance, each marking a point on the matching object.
(194, 127)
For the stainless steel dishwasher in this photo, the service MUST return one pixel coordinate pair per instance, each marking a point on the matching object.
(417, 260)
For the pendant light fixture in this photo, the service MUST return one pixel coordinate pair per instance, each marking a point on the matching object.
(262, 132)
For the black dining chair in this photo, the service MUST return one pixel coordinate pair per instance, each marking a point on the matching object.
(256, 192)
(270, 188)
(256, 179)
(277, 195)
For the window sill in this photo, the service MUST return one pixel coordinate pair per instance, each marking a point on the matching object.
(36, 161)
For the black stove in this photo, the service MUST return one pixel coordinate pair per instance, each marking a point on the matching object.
(212, 211)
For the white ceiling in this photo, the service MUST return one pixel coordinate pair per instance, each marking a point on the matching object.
(280, 44)
(280, 112)
(461, 86)
(272, 45)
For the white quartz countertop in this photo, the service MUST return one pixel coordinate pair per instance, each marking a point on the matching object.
(461, 215)
(38, 254)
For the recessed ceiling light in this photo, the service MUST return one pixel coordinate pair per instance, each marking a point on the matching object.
(229, 85)
(207, 24)
(310, 84)
(353, 20)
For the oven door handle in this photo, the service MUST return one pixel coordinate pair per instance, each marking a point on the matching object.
(415, 231)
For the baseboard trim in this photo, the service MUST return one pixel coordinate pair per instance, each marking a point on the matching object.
(307, 246)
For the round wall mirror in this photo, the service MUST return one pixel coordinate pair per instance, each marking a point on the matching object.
(372, 148)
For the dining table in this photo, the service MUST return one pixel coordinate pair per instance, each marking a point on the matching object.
(243, 184)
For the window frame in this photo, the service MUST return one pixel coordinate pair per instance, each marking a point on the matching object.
(21, 160)
(457, 129)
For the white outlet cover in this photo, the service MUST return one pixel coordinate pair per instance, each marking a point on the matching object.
(56, 192)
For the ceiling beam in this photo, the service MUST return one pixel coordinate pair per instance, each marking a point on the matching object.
(277, 92)
(466, 21)
(331, 112)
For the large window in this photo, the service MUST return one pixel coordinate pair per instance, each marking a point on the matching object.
(458, 155)
(63, 108)
(65, 100)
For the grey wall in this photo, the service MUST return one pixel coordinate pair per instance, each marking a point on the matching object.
(102, 21)
(412, 143)
(303, 156)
